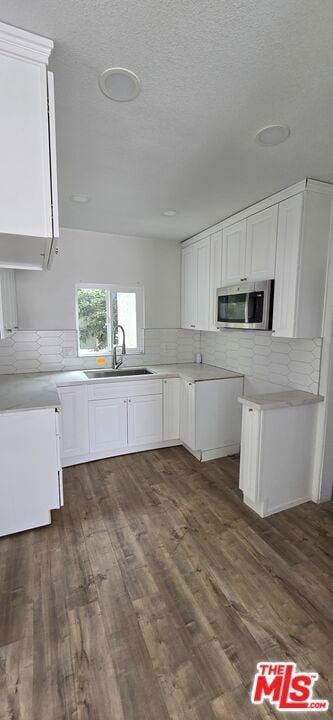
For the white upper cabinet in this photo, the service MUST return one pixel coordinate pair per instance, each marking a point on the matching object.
(215, 274)
(189, 303)
(301, 263)
(234, 253)
(261, 230)
(249, 248)
(8, 304)
(195, 285)
(28, 165)
(283, 238)
(287, 259)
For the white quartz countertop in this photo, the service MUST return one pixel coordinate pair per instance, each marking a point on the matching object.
(32, 391)
(287, 398)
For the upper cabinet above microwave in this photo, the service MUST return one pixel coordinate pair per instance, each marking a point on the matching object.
(28, 185)
(249, 248)
(285, 238)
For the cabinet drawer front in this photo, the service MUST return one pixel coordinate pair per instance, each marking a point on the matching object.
(101, 391)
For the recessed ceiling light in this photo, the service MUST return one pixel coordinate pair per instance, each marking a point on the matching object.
(170, 213)
(119, 84)
(272, 135)
(79, 198)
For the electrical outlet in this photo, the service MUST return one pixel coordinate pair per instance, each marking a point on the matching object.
(68, 352)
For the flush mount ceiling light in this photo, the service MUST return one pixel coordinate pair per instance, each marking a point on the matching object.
(170, 213)
(79, 198)
(119, 84)
(272, 135)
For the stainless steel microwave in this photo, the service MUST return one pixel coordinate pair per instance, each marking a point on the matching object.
(248, 306)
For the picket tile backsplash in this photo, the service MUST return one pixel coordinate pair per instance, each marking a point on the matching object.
(48, 350)
(283, 362)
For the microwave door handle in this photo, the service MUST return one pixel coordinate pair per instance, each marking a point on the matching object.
(246, 309)
(250, 305)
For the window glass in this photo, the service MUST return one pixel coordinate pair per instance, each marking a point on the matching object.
(92, 319)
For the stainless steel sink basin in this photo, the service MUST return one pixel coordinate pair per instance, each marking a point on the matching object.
(117, 373)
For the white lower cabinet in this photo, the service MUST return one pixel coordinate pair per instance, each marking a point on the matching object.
(30, 474)
(107, 425)
(187, 414)
(210, 417)
(274, 475)
(74, 422)
(144, 420)
(171, 409)
(105, 419)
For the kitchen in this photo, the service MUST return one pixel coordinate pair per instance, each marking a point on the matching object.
(139, 356)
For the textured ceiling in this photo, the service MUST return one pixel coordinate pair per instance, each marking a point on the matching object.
(213, 72)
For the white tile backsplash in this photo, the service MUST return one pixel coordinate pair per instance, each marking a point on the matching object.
(280, 361)
(48, 350)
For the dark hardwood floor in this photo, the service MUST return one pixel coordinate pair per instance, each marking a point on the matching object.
(154, 593)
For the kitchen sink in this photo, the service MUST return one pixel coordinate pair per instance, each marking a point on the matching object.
(117, 373)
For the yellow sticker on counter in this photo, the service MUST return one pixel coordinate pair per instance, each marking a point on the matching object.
(101, 361)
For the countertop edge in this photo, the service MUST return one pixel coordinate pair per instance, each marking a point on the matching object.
(260, 403)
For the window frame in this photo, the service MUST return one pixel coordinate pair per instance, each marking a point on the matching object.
(140, 316)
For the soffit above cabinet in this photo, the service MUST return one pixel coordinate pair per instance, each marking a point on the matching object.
(316, 186)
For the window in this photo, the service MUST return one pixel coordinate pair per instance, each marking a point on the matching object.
(99, 309)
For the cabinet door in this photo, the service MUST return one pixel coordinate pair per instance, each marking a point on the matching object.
(189, 309)
(203, 278)
(215, 274)
(187, 414)
(8, 304)
(250, 453)
(107, 425)
(25, 187)
(29, 486)
(287, 266)
(261, 230)
(233, 253)
(171, 409)
(144, 420)
(74, 422)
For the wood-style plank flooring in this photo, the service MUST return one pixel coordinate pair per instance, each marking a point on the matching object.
(154, 593)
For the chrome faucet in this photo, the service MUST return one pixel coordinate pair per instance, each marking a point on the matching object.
(116, 363)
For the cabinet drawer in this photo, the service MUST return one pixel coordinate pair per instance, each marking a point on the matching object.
(104, 391)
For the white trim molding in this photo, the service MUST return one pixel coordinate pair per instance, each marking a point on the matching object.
(14, 41)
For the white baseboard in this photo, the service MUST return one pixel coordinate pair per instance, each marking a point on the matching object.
(219, 452)
(79, 459)
(263, 511)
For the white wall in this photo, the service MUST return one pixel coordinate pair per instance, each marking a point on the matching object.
(46, 300)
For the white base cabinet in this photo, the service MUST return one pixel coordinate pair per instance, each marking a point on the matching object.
(276, 468)
(144, 420)
(30, 470)
(107, 425)
(105, 419)
(210, 417)
(171, 409)
(74, 421)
